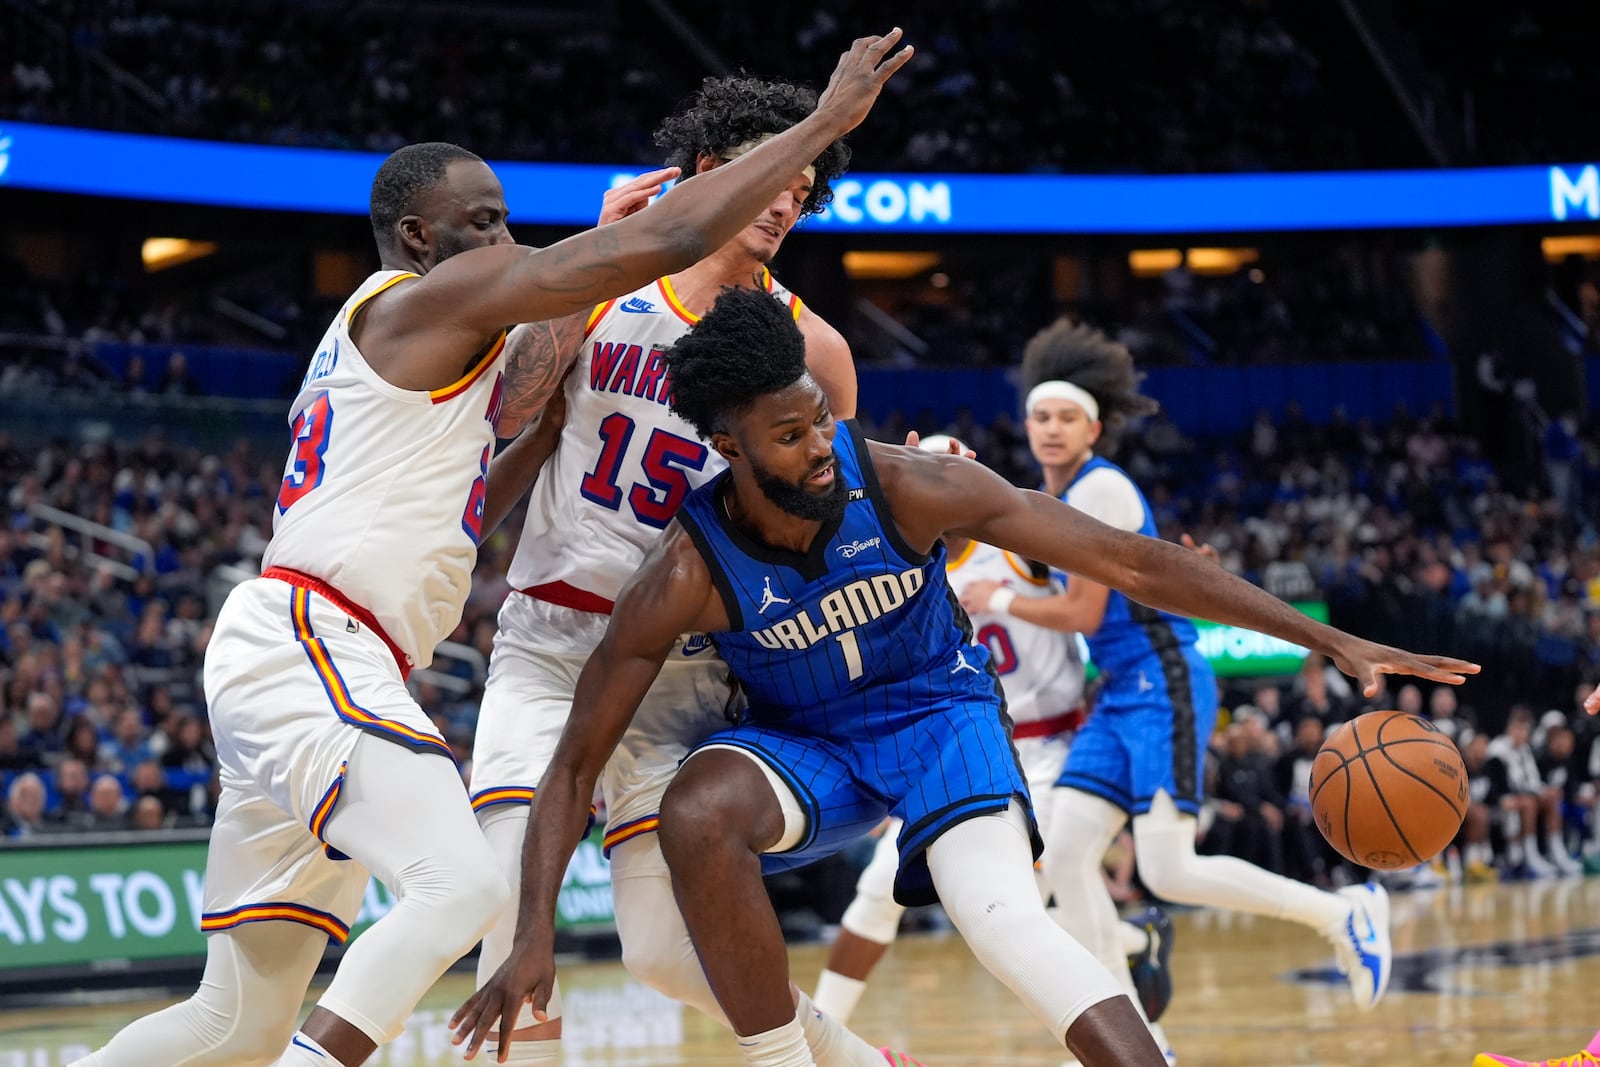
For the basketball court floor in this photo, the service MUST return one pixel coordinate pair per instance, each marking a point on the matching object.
(1507, 968)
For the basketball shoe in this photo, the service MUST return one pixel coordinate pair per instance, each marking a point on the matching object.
(898, 1059)
(1152, 974)
(1587, 1057)
(1361, 943)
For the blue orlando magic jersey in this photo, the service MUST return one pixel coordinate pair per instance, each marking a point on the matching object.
(1131, 634)
(858, 637)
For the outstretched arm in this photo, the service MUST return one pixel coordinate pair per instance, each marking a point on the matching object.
(425, 329)
(671, 593)
(932, 495)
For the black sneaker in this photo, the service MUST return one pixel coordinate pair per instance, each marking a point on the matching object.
(1151, 970)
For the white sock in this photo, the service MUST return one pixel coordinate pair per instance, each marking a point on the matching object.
(783, 1047)
(305, 1052)
(838, 995)
(1554, 847)
(1132, 939)
(831, 1043)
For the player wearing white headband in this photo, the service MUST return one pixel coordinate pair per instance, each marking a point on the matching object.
(1041, 672)
(1142, 752)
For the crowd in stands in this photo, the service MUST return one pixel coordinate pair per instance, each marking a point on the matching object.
(1135, 85)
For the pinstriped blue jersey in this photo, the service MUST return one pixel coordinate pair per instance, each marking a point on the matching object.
(857, 637)
(1131, 634)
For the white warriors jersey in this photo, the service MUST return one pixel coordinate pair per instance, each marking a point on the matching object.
(1041, 670)
(383, 492)
(625, 461)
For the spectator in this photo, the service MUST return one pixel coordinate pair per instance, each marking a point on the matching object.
(108, 805)
(1561, 777)
(43, 741)
(150, 780)
(83, 741)
(129, 744)
(148, 814)
(25, 803)
(176, 380)
(1442, 707)
(12, 756)
(1524, 800)
(71, 810)
(1306, 852)
(1484, 787)
(1249, 823)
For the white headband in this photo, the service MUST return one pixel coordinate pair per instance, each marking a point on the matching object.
(1059, 390)
(738, 150)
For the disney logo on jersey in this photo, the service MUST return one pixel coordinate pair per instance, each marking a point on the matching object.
(637, 305)
(842, 610)
(855, 548)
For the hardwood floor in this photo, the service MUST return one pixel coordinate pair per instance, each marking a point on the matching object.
(1504, 968)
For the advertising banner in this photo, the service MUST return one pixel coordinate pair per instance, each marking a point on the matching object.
(105, 906)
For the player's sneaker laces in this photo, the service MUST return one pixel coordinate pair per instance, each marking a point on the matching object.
(1151, 970)
(1361, 943)
(898, 1059)
(1588, 1057)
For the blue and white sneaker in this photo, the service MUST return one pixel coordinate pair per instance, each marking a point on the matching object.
(1362, 945)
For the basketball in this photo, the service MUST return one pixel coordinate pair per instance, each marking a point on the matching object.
(1388, 790)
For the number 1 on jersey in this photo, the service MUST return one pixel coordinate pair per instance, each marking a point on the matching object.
(852, 654)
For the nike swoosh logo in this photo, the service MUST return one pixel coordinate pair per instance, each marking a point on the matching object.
(296, 1041)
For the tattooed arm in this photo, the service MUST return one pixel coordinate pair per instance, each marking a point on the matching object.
(538, 356)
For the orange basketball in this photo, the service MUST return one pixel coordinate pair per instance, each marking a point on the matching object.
(1388, 790)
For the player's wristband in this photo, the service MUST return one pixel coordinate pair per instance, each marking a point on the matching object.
(1000, 601)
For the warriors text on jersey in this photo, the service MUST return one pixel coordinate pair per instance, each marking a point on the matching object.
(1040, 669)
(625, 463)
(382, 496)
(860, 635)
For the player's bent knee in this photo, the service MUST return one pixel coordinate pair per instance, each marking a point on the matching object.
(710, 806)
(238, 1039)
(671, 973)
(874, 917)
(484, 896)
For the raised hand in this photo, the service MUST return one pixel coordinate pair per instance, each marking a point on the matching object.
(634, 195)
(1200, 550)
(859, 76)
(1365, 660)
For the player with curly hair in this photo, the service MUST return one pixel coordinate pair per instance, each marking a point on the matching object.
(623, 465)
(1141, 755)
